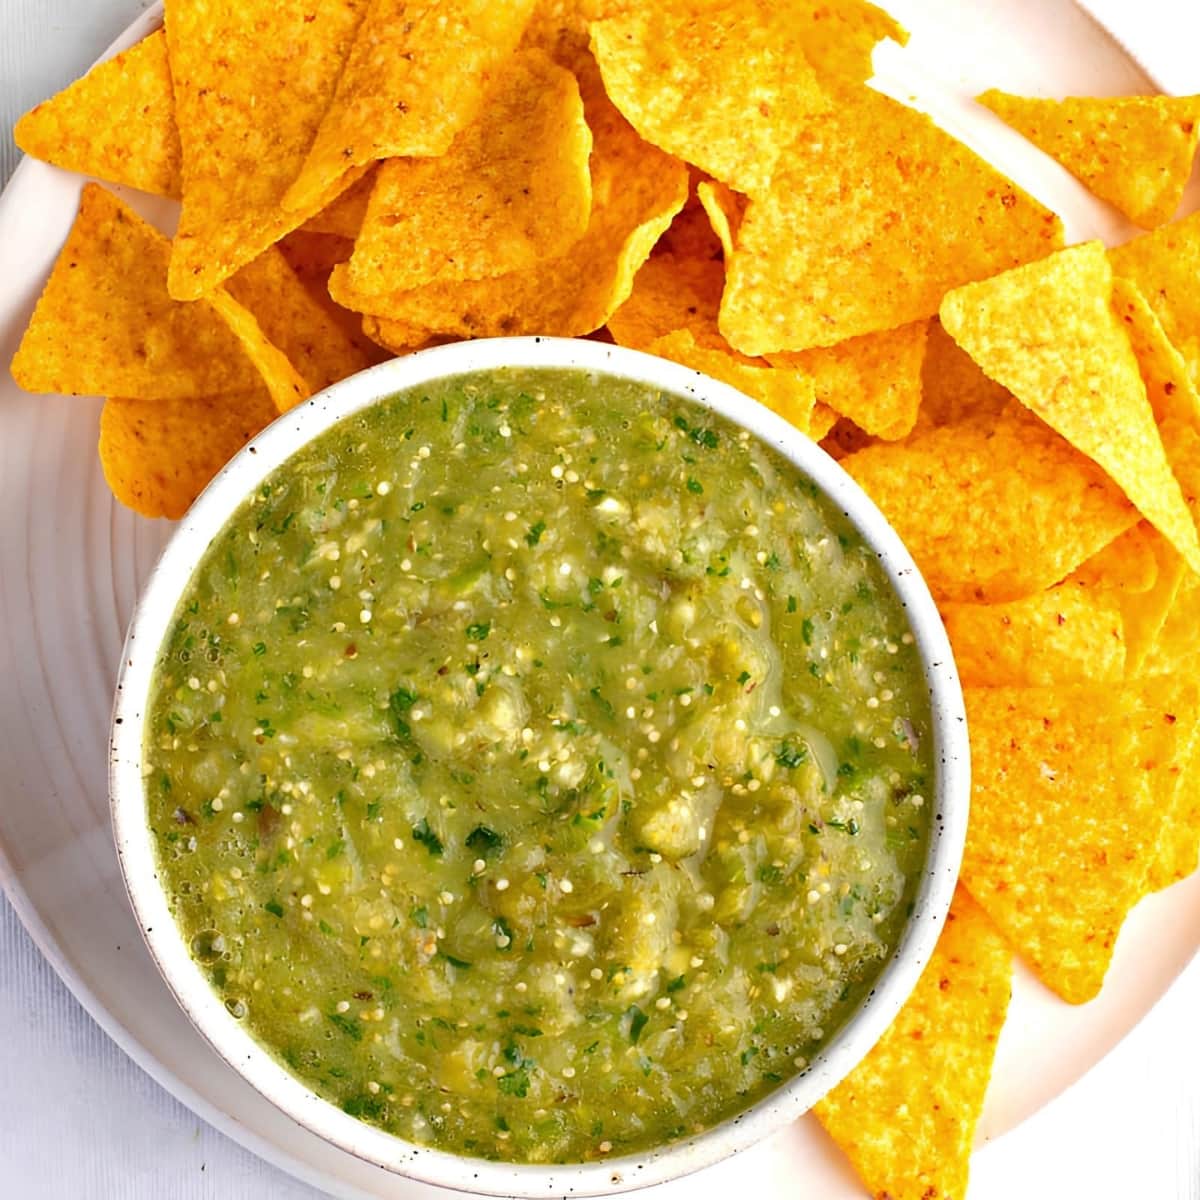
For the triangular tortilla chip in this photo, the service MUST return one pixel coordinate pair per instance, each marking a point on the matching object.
(283, 381)
(116, 123)
(513, 189)
(1179, 844)
(414, 77)
(105, 325)
(1165, 265)
(1048, 333)
(993, 515)
(637, 190)
(1070, 791)
(301, 327)
(1128, 563)
(745, 58)
(953, 388)
(1144, 613)
(875, 379)
(840, 39)
(725, 209)
(345, 215)
(673, 292)
(313, 256)
(1133, 151)
(252, 80)
(786, 392)
(906, 1115)
(1066, 634)
(825, 253)
(159, 455)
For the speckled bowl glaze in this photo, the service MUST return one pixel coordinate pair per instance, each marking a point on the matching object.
(233, 1043)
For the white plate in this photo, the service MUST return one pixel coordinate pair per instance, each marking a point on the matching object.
(71, 562)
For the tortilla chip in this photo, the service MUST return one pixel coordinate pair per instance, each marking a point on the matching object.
(513, 189)
(1169, 386)
(345, 215)
(845, 438)
(743, 57)
(104, 324)
(159, 455)
(840, 39)
(292, 320)
(826, 255)
(1177, 647)
(786, 392)
(116, 123)
(1048, 333)
(1128, 563)
(1179, 843)
(313, 256)
(286, 385)
(993, 515)
(672, 292)
(1133, 151)
(953, 388)
(906, 1115)
(822, 422)
(1066, 634)
(414, 77)
(1070, 790)
(1145, 613)
(396, 336)
(1165, 265)
(636, 190)
(252, 80)
(725, 209)
(875, 379)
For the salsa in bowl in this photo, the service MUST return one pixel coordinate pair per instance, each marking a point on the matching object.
(538, 767)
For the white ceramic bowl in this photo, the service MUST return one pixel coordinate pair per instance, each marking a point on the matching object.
(230, 1039)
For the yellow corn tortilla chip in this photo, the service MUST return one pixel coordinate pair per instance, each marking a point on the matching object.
(636, 191)
(104, 324)
(396, 336)
(845, 438)
(1165, 265)
(1179, 844)
(345, 215)
(286, 385)
(116, 123)
(1133, 151)
(673, 292)
(786, 392)
(1177, 647)
(1169, 386)
(872, 216)
(725, 209)
(252, 80)
(993, 515)
(1048, 333)
(840, 38)
(159, 455)
(906, 1115)
(414, 76)
(875, 379)
(1145, 613)
(822, 422)
(743, 57)
(1128, 563)
(513, 189)
(953, 388)
(313, 256)
(1066, 634)
(1070, 787)
(301, 327)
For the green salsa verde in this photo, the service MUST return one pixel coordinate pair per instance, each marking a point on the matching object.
(538, 766)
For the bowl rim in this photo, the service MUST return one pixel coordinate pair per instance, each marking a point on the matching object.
(192, 991)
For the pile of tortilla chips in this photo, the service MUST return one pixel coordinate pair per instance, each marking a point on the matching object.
(713, 181)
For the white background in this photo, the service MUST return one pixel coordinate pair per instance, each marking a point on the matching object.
(78, 1120)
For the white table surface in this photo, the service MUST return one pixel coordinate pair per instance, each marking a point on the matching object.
(79, 1121)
